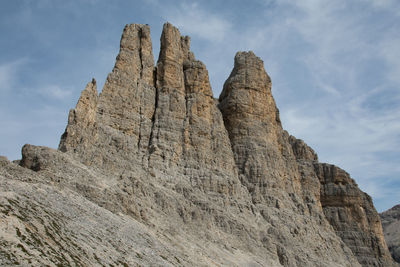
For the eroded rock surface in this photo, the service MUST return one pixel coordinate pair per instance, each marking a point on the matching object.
(155, 171)
(353, 216)
(391, 229)
(349, 210)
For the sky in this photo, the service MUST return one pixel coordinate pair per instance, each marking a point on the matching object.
(334, 65)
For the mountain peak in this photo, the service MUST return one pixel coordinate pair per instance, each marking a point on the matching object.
(155, 171)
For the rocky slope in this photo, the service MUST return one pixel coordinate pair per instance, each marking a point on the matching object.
(391, 229)
(155, 171)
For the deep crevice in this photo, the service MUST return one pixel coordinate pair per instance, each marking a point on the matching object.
(140, 35)
(140, 123)
(153, 117)
(140, 53)
(186, 121)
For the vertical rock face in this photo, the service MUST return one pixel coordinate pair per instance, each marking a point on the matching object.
(311, 186)
(349, 210)
(262, 154)
(353, 216)
(81, 131)
(391, 229)
(266, 161)
(181, 82)
(164, 116)
(131, 79)
(124, 110)
(127, 102)
(188, 134)
(212, 182)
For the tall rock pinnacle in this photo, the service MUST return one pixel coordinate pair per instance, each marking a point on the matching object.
(82, 126)
(154, 171)
(249, 87)
(265, 161)
(127, 101)
(158, 116)
(187, 125)
(126, 104)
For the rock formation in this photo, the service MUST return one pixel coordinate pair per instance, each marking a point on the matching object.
(391, 229)
(155, 171)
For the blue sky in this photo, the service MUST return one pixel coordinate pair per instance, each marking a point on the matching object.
(335, 69)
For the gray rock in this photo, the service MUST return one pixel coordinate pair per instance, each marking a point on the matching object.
(353, 216)
(154, 171)
(391, 229)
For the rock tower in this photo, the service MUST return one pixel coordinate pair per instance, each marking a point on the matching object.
(155, 171)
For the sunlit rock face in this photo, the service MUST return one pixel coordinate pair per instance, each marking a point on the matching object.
(391, 229)
(155, 171)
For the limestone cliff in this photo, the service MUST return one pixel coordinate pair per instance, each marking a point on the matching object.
(155, 171)
(391, 229)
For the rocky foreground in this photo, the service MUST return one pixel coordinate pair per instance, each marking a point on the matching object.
(156, 172)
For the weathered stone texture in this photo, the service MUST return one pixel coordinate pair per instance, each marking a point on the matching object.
(265, 159)
(391, 229)
(263, 156)
(353, 216)
(349, 210)
(154, 165)
(81, 131)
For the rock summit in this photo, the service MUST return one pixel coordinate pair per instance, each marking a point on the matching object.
(154, 171)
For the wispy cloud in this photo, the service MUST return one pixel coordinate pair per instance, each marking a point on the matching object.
(9, 74)
(389, 49)
(351, 117)
(39, 126)
(55, 91)
(387, 5)
(192, 19)
(343, 102)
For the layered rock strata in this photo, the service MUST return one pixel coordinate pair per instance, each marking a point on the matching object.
(391, 229)
(194, 180)
(353, 216)
(349, 210)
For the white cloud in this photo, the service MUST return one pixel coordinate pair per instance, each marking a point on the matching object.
(337, 119)
(336, 44)
(55, 91)
(345, 121)
(389, 49)
(194, 20)
(39, 126)
(9, 74)
(388, 5)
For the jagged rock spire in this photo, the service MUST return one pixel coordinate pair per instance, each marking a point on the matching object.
(188, 133)
(135, 58)
(232, 177)
(81, 130)
(247, 91)
(163, 118)
(252, 120)
(174, 50)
